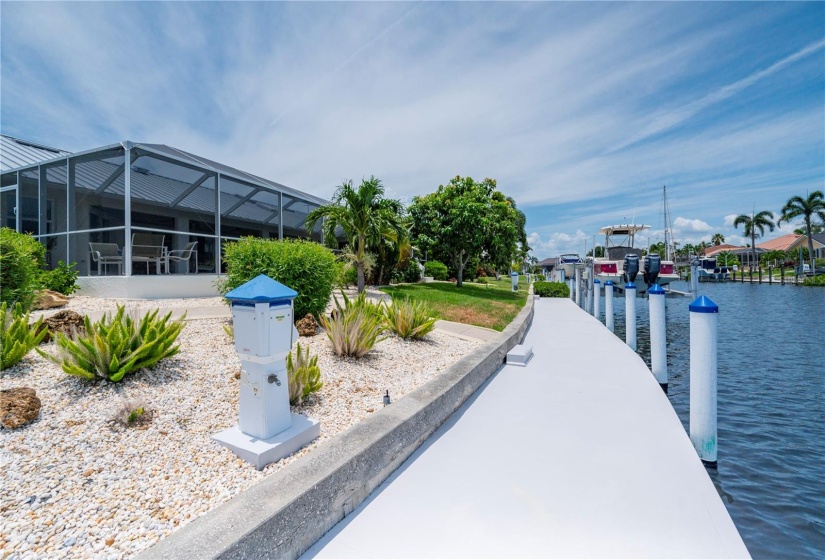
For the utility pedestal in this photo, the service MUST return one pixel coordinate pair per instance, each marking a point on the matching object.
(263, 320)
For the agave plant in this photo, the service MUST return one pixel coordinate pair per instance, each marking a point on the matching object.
(355, 327)
(409, 319)
(304, 375)
(117, 345)
(17, 337)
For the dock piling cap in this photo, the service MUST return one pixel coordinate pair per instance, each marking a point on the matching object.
(514, 274)
(656, 289)
(596, 281)
(703, 304)
(609, 283)
(630, 286)
(261, 289)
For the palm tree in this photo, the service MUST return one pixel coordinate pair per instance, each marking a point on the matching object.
(752, 223)
(365, 216)
(717, 239)
(807, 207)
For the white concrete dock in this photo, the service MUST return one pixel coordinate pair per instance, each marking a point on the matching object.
(577, 455)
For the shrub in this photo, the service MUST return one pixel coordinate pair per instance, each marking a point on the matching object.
(17, 337)
(305, 266)
(482, 280)
(818, 280)
(132, 413)
(355, 327)
(551, 289)
(435, 269)
(409, 273)
(115, 346)
(409, 319)
(62, 279)
(21, 258)
(304, 375)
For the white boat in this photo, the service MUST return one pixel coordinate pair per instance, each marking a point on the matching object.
(567, 263)
(619, 241)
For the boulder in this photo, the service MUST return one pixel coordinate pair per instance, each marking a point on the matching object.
(307, 326)
(67, 321)
(18, 407)
(48, 299)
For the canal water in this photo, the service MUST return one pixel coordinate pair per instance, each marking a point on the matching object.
(771, 407)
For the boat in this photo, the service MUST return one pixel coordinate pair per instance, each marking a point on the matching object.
(709, 271)
(619, 242)
(567, 263)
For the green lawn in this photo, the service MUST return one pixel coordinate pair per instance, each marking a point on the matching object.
(491, 305)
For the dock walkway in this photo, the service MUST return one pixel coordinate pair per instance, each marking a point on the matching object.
(577, 455)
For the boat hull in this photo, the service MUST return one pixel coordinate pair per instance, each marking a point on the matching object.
(618, 282)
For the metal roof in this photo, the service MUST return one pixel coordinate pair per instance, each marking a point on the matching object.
(15, 153)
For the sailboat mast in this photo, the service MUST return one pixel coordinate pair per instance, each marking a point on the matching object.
(666, 222)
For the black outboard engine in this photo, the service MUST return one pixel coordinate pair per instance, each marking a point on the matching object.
(652, 264)
(631, 268)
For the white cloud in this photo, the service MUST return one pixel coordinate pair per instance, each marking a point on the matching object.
(729, 219)
(557, 243)
(690, 226)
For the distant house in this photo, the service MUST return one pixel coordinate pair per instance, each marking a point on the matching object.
(716, 249)
(818, 240)
(130, 209)
(547, 265)
(782, 243)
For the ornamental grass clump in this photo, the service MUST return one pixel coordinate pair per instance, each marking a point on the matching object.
(17, 337)
(551, 289)
(304, 375)
(355, 327)
(117, 345)
(409, 320)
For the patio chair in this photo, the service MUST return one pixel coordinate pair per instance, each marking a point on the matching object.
(104, 254)
(148, 248)
(181, 255)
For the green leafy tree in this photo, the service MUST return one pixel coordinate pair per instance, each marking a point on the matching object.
(599, 252)
(365, 216)
(726, 258)
(753, 224)
(717, 239)
(464, 220)
(771, 258)
(809, 207)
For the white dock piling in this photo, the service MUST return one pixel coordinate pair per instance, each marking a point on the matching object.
(704, 316)
(608, 305)
(578, 286)
(630, 314)
(597, 296)
(694, 277)
(658, 335)
(571, 288)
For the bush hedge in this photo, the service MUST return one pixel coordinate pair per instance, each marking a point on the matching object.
(435, 269)
(818, 280)
(62, 279)
(409, 274)
(551, 289)
(21, 260)
(305, 266)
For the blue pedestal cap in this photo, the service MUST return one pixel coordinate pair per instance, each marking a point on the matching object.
(514, 274)
(656, 289)
(630, 286)
(596, 281)
(609, 283)
(703, 304)
(261, 289)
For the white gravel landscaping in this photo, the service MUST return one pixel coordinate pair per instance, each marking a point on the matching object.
(73, 484)
(85, 304)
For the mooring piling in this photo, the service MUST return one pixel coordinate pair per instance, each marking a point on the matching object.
(597, 296)
(608, 305)
(658, 335)
(704, 316)
(630, 314)
(694, 277)
(578, 286)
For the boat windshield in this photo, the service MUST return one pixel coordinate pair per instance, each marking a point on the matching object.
(618, 253)
(570, 258)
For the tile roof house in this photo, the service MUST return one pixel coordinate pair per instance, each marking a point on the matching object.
(781, 243)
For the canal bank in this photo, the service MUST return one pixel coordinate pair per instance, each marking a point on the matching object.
(579, 454)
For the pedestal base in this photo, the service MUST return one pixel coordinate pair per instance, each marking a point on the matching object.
(261, 452)
(519, 355)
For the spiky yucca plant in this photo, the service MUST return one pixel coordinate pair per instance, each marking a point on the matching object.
(304, 375)
(409, 319)
(17, 336)
(354, 327)
(117, 345)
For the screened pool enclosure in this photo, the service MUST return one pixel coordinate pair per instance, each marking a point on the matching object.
(164, 212)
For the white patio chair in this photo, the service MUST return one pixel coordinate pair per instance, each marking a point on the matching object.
(183, 255)
(104, 254)
(148, 248)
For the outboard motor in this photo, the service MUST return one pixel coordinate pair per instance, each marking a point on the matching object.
(652, 265)
(631, 267)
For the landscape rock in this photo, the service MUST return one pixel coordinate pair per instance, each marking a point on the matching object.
(307, 326)
(67, 321)
(48, 299)
(18, 407)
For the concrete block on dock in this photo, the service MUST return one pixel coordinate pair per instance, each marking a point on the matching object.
(519, 355)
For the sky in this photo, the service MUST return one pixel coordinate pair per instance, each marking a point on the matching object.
(582, 112)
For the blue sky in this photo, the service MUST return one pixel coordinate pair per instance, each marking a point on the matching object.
(580, 111)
